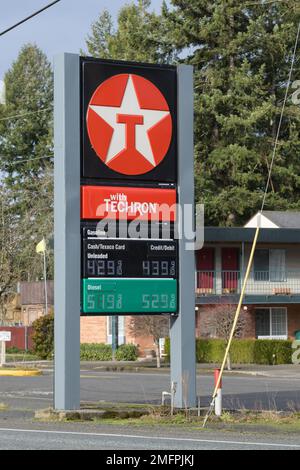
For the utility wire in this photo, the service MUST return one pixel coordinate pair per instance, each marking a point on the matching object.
(281, 118)
(263, 3)
(239, 306)
(16, 116)
(29, 17)
(28, 159)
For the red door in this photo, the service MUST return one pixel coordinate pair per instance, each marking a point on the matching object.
(230, 267)
(205, 269)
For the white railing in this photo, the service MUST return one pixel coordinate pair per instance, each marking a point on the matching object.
(273, 282)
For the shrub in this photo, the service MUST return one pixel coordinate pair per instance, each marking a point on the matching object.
(43, 336)
(243, 351)
(127, 352)
(103, 352)
(95, 352)
(273, 352)
(15, 350)
(210, 350)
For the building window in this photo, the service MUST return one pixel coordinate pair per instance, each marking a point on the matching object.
(269, 265)
(271, 323)
(121, 330)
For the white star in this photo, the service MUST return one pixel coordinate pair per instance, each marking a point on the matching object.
(130, 106)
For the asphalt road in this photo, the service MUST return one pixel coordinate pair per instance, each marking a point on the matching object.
(146, 387)
(116, 438)
(18, 429)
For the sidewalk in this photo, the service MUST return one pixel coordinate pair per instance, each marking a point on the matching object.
(280, 371)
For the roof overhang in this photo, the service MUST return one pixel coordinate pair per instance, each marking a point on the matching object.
(240, 234)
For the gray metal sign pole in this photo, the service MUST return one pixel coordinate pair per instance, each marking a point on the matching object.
(182, 335)
(67, 232)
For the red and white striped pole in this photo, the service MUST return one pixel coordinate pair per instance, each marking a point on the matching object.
(218, 399)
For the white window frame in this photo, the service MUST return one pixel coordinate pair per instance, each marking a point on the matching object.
(271, 336)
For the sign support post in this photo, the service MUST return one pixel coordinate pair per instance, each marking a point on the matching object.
(114, 335)
(5, 336)
(3, 353)
(120, 288)
(182, 334)
(67, 232)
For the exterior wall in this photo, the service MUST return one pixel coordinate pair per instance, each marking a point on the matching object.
(13, 316)
(144, 343)
(293, 319)
(289, 285)
(20, 337)
(204, 321)
(264, 222)
(292, 267)
(293, 316)
(30, 313)
(93, 330)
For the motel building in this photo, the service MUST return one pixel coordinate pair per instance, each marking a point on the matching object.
(271, 307)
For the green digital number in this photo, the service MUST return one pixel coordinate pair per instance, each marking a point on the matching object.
(158, 301)
(146, 301)
(110, 302)
(91, 302)
(164, 301)
(155, 301)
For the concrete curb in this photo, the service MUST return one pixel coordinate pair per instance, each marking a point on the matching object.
(19, 373)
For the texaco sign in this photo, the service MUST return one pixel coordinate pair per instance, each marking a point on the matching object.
(129, 123)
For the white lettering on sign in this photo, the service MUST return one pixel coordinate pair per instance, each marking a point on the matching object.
(5, 336)
(162, 247)
(118, 203)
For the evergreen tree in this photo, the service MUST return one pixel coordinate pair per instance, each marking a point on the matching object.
(26, 137)
(138, 36)
(241, 53)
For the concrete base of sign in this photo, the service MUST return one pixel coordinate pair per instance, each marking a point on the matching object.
(90, 414)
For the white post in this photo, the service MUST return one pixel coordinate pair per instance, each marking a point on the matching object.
(45, 283)
(3, 353)
(218, 399)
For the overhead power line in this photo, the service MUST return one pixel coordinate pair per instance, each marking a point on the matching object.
(264, 3)
(29, 17)
(16, 116)
(28, 159)
(251, 257)
(281, 117)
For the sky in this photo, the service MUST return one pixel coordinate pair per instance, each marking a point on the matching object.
(62, 28)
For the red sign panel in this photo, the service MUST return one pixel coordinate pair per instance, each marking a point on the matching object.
(98, 202)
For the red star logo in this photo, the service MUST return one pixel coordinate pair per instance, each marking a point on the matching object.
(129, 124)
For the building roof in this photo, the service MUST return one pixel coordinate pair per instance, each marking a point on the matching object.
(277, 219)
(284, 219)
(33, 293)
(241, 234)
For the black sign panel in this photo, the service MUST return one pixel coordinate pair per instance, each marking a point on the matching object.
(123, 229)
(103, 156)
(129, 258)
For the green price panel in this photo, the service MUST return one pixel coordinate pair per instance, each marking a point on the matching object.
(127, 296)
